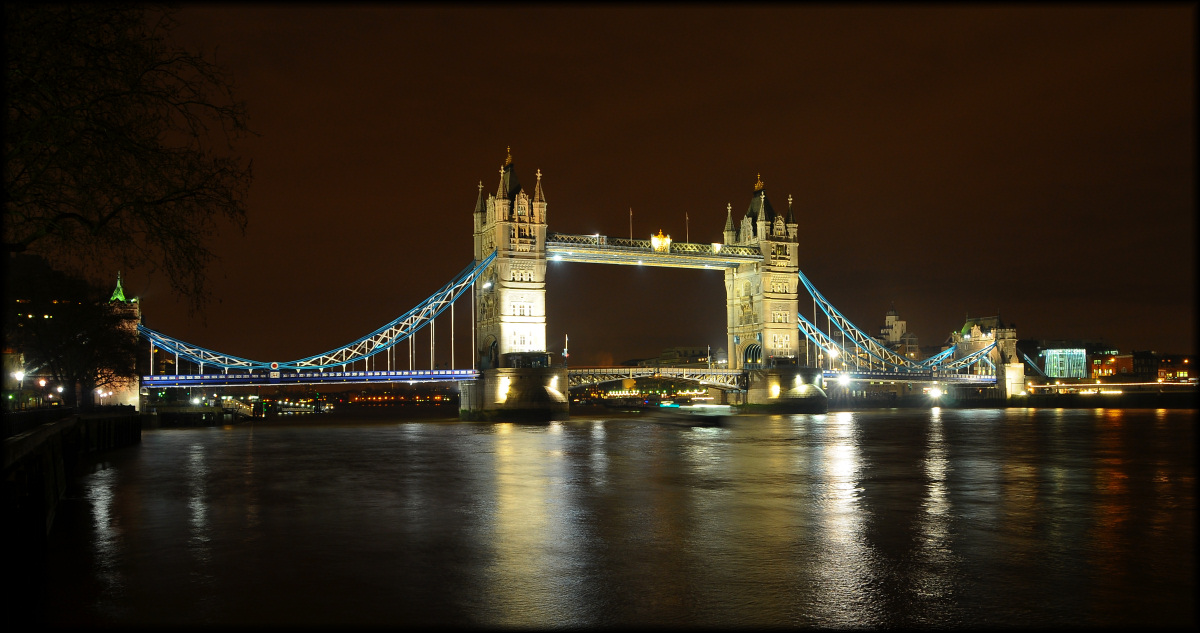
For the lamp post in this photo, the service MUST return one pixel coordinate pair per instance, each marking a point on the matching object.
(20, 376)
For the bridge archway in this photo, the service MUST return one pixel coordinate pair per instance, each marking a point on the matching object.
(752, 355)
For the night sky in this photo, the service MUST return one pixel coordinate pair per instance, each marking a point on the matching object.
(1033, 162)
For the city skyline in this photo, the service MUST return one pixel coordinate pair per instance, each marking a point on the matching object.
(1036, 163)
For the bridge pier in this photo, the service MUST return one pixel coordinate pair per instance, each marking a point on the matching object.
(516, 394)
(787, 390)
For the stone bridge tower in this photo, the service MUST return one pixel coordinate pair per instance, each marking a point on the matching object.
(510, 299)
(126, 391)
(762, 297)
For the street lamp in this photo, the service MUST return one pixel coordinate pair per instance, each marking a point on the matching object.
(20, 376)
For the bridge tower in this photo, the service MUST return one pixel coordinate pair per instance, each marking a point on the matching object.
(762, 298)
(516, 380)
(979, 332)
(510, 298)
(126, 391)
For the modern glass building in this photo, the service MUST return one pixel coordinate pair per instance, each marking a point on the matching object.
(1066, 363)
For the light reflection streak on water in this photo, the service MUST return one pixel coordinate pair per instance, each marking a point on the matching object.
(534, 536)
(108, 530)
(198, 519)
(934, 580)
(1111, 487)
(846, 596)
(599, 454)
(252, 499)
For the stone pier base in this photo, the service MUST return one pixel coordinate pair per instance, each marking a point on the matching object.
(516, 395)
(787, 390)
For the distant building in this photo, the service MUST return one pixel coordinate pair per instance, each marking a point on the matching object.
(1062, 358)
(895, 336)
(1143, 366)
(1066, 363)
(1176, 368)
(1111, 366)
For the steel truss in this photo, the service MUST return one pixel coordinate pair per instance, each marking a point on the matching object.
(866, 346)
(977, 356)
(725, 378)
(378, 341)
(861, 340)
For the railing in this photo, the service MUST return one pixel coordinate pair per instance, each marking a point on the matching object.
(728, 378)
(602, 249)
(308, 377)
(647, 245)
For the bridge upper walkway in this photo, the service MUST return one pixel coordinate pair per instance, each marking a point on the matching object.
(604, 249)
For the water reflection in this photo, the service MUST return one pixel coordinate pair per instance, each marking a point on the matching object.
(935, 581)
(845, 572)
(534, 540)
(941, 518)
(197, 473)
(107, 526)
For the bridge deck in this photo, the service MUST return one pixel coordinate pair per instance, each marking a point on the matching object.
(308, 378)
(576, 377)
(603, 249)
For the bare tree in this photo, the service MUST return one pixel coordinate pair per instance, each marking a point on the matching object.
(119, 145)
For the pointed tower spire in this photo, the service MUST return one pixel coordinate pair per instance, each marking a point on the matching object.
(538, 195)
(509, 186)
(791, 217)
(479, 206)
(730, 233)
(118, 292)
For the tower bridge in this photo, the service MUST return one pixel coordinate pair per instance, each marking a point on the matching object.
(777, 355)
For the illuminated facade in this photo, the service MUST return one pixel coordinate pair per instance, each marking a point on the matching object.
(510, 298)
(762, 297)
(1066, 363)
(1176, 368)
(1111, 366)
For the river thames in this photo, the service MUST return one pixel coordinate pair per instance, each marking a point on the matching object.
(890, 518)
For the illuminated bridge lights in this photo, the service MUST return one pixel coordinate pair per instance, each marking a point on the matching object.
(310, 378)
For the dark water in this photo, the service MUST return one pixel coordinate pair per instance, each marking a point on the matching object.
(903, 518)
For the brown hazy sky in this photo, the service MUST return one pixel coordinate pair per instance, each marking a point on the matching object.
(952, 161)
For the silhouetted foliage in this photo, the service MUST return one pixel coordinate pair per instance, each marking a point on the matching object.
(118, 144)
(84, 343)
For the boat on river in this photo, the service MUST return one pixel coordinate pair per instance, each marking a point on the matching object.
(693, 414)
